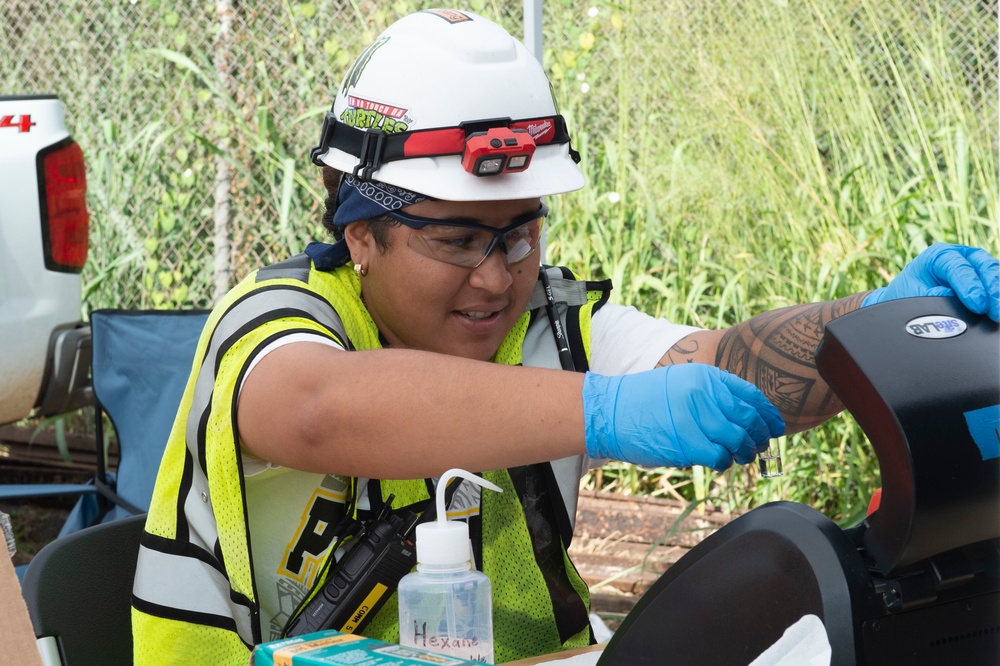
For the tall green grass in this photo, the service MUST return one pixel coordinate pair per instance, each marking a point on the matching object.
(778, 154)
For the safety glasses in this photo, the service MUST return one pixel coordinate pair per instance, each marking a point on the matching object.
(467, 244)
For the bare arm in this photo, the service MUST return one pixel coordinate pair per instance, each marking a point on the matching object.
(398, 414)
(774, 350)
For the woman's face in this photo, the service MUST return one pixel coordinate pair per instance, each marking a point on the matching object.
(420, 302)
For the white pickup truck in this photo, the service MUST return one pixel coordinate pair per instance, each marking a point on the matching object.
(44, 235)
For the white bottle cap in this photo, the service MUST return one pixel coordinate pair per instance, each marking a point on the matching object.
(443, 543)
(446, 542)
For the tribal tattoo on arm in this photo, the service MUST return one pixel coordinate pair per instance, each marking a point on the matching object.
(774, 351)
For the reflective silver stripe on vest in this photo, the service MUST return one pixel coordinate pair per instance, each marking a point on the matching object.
(539, 351)
(257, 304)
(204, 530)
(568, 472)
(174, 581)
(168, 580)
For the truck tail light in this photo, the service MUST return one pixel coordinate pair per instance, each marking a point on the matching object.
(62, 191)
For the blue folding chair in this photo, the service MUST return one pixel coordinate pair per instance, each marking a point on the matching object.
(140, 365)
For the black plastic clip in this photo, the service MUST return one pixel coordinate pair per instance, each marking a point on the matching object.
(329, 122)
(370, 159)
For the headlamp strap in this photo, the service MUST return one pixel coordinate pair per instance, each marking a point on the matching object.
(373, 147)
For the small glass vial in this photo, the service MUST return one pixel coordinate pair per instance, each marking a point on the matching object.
(770, 464)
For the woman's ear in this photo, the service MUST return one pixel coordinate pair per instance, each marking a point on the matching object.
(359, 242)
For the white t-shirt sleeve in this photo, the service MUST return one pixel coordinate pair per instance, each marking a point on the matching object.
(625, 340)
(281, 342)
(252, 464)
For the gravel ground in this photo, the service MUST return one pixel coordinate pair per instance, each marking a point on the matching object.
(35, 524)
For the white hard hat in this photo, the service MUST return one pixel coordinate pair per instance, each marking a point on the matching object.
(483, 92)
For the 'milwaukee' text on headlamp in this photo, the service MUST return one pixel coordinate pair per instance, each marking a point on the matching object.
(487, 147)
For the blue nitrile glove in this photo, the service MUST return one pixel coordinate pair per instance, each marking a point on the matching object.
(969, 273)
(678, 416)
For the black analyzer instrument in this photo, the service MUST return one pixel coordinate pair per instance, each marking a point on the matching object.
(918, 580)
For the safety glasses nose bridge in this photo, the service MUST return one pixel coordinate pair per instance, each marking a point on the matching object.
(519, 249)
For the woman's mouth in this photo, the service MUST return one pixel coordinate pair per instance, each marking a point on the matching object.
(477, 314)
(479, 321)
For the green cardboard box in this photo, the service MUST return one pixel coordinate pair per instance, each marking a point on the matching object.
(326, 648)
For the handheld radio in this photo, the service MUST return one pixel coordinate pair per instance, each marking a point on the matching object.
(364, 578)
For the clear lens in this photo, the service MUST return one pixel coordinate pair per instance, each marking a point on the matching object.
(469, 247)
(490, 166)
(517, 161)
(522, 241)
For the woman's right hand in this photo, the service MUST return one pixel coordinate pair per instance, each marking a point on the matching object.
(678, 416)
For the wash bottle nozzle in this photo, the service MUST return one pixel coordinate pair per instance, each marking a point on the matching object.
(446, 542)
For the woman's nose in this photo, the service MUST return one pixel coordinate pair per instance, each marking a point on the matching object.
(493, 274)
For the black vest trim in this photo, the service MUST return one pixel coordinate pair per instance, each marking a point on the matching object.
(172, 547)
(542, 513)
(580, 362)
(193, 617)
(270, 314)
(183, 530)
(604, 287)
(566, 273)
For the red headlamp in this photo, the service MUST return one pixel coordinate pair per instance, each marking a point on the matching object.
(497, 150)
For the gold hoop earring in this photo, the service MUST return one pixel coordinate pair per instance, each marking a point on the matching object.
(360, 270)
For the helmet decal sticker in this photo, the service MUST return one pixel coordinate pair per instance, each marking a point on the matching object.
(449, 15)
(367, 114)
(367, 105)
(372, 115)
(354, 74)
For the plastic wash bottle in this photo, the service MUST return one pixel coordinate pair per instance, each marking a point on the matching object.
(446, 605)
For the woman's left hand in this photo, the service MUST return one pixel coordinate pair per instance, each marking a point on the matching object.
(969, 273)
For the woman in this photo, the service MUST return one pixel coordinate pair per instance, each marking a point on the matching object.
(427, 337)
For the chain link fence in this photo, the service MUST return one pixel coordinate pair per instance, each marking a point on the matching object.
(197, 118)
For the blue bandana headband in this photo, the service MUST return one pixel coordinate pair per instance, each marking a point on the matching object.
(365, 199)
(358, 200)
